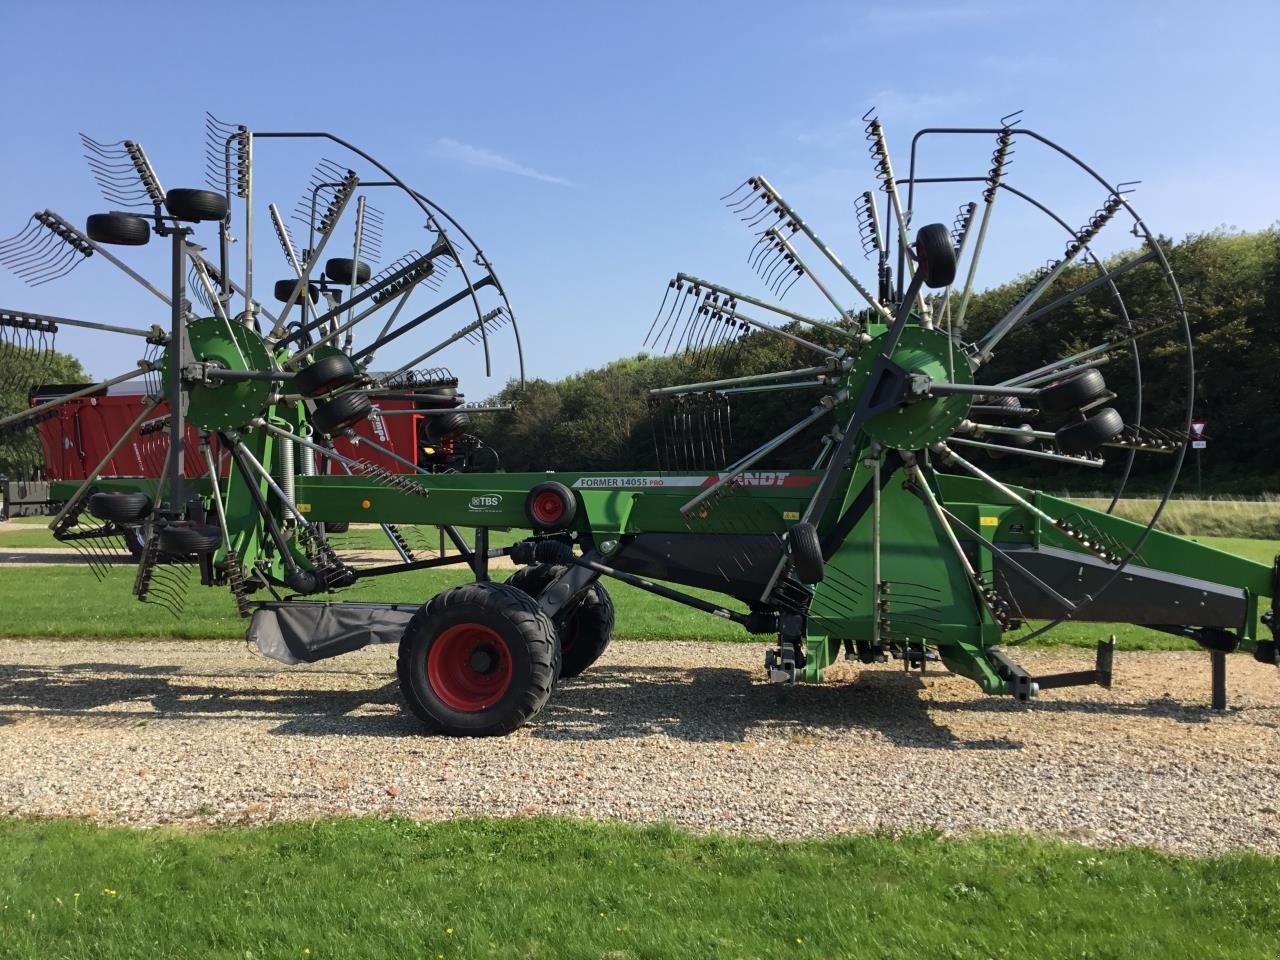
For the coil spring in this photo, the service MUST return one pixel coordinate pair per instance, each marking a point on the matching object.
(999, 162)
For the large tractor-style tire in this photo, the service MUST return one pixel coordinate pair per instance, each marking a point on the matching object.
(585, 630)
(344, 270)
(806, 553)
(325, 375)
(195, 205)
(1090, 433)
(124, 229)
(935, 255)
(120, 506)
(337, 414)
(479, 660)
(1072, 392)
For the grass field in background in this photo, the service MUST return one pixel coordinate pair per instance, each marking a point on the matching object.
(1216, 517)
(553, 888)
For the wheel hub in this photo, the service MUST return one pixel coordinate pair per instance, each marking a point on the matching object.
(469, 667)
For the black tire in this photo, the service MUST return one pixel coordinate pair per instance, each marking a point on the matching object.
(1073, 392)
(121, 507)
(195, 205)
(284, 290)
(935, 256)
(806, 553)
(336, 526)
(501, 631)
(122, 229)
(585, 630)
(182, 537)
(1092, 432)
(340, 270)
(135, 541)
(340, 412)
(325, 375)
(447, 425)
(550, 506)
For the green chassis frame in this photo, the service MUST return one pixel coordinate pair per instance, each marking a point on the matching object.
(612, 509)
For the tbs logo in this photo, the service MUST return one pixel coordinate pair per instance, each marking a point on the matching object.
(488, 501)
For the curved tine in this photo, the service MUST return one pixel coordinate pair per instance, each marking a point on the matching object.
(756, 219)
(748, 201)
(709, 339)
(54, 267)
(685, 340)
(693, 346)
(778, 269)
(678, 299)
(767, 261)
(798, 273)
(661, 307)
(690, 294)
(751, 213)
(33, 249)
(20, 239)
(97, 145)
(58, 267)
(760, 248)
(690, 328)
(735, 191)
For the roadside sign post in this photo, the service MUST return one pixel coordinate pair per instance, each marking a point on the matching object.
(1199, 441)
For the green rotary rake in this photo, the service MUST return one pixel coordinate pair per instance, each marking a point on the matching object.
(910, 396)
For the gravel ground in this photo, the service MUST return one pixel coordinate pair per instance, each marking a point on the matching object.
(148, 733)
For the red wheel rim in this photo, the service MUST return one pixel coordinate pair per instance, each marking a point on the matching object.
(469, 667)
(548, 507)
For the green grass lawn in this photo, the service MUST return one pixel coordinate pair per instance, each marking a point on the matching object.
(551, 888)
(67, 601)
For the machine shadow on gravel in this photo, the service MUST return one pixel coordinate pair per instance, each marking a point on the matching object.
(78, 692)
(698, 705)
(724, 704)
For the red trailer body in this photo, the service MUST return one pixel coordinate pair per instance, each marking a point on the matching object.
(78, 435)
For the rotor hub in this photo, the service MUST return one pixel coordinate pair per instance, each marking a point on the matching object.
(927, 419)
(225, 345)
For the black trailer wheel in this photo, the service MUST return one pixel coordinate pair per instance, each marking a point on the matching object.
(806, 553)
(344, 410)
(120, 506)
(935, 256)
(182, 538)
(284, 290)
(1092, 432)
(479, 660)
(1072, 392)
(550, 506)
(325, 375)
(123, 229)
(343, 269)
(447, 425)
(585, 629)
(195, 205)
(135, 541)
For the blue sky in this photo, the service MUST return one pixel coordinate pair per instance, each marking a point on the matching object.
(585, 145)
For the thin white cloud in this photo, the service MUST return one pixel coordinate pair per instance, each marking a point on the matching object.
(446, 148)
